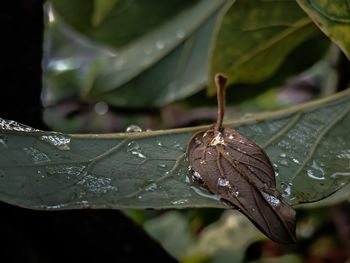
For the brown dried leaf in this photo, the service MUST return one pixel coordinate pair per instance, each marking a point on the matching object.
(240, 172)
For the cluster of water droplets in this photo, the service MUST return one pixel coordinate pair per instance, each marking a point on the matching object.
(36, 155)
(135, 149)
(15, 126)
(60, 141)
(97, 184)
(66, 170)
(271, 199)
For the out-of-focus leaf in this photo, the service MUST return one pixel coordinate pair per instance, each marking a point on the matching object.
(126, 21)
(309, 146)
(333, 18)
(171, 230)
(219, 237)
(254, 39)
(168, 63)
(101, 9)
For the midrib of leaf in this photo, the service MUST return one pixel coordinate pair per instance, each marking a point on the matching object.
(270, 43)
(256, 118)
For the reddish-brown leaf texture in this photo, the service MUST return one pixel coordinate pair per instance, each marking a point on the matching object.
(240, 172)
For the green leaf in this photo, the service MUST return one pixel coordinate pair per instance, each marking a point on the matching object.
(165, 64)
(333, 18)
(308, 144)
(255, 37)
(126, 21)
(101, 9)
(171, 230)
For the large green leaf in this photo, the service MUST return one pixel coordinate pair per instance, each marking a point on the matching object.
(308, 144)
(166, 63)
(255, 37)
(333, 18)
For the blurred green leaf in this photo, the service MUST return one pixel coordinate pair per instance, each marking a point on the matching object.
(127, 19)
(165, 64)
(171, 230)
(218, 238)
(308, 144)
(333, 18)
(101, 9)
(254, 39)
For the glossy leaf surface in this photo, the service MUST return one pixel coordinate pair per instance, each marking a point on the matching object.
(309, 147)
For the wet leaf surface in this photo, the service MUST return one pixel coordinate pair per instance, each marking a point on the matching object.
(309, 146)
(333, 18)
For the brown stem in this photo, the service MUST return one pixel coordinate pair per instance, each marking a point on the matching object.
(220, 81)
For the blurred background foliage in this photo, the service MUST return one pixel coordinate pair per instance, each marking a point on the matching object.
(111, 63)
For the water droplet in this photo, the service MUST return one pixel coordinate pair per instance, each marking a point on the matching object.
(133, 128)
(310, 173)
(180, 33)
(231, 137)
(202, 162)
(151, 187)
(15, 126)
(286, 189)
(179, 202)
(271, 199)
(283, 155)
(197, 140)
(187, 179)
(275, 166)
(3, 141)
(204, 194)
(223, 182)
(97, 184)
(162, 165)
(101, 108)
(61, 142)
(217, 140)
(135, 149)
(160, 44)
(339, 174)
(197, 175)
(139, 197)
(283, 162)
(178, 146)
(295, 160)
(36, 155)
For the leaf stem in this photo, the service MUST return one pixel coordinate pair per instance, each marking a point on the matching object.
(220, 81)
